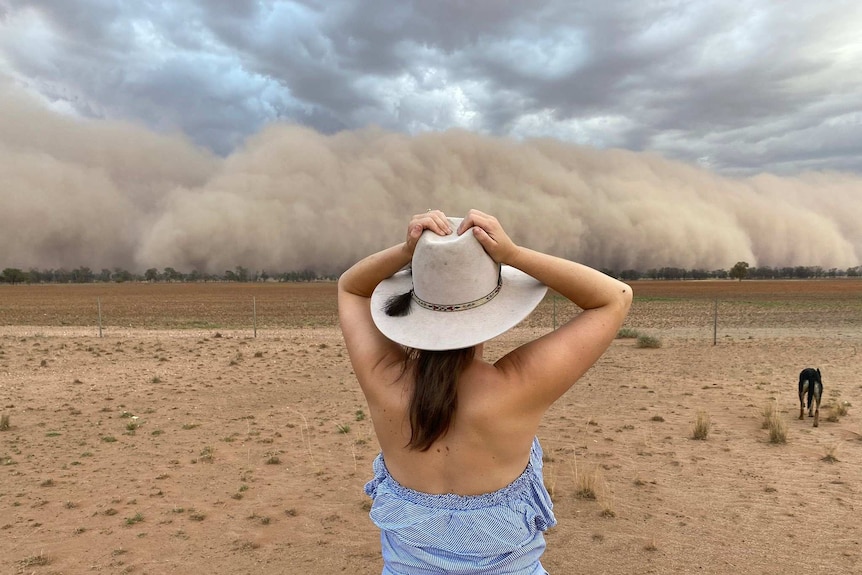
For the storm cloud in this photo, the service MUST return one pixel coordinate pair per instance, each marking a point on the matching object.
(739, 88)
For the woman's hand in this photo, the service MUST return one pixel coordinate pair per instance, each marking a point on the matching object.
(491, 235)
(433, 220)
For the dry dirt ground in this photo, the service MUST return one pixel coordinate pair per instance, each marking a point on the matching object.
(181, 442)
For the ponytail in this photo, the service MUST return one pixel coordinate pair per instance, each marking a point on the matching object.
(435, 393)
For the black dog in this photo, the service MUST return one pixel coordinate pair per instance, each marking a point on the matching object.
(810, 383)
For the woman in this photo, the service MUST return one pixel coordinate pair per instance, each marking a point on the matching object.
(458, 484)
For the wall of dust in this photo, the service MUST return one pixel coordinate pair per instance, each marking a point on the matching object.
(106, 194)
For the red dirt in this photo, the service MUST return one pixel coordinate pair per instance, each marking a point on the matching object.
(155, 449)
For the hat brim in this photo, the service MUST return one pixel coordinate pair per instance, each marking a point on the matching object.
(444, 330)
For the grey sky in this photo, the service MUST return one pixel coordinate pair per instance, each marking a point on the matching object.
(737, 87)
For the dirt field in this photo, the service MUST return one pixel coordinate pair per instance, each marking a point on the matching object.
(178, 442)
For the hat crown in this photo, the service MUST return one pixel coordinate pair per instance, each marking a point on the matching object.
(452, 269)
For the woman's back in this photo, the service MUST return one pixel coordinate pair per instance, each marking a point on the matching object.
(485, 448)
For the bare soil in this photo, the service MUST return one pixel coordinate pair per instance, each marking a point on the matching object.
(218, 428)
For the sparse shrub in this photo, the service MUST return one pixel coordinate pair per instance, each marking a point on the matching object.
(648, 341)
(33, 561)
(360, 415)
(628, 333)
(837, 410)
(702, 424)
(272, 459)
(207, 454)
(831, 454)
(658, 418)
(136, 518)
(343, 428)
(5, 423)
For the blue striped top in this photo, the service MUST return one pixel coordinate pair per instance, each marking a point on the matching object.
(497, 533)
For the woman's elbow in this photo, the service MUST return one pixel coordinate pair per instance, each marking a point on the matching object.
(625, 295)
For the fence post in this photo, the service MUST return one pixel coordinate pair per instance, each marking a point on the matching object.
(99, 305)
(254, 314)
(715, 323)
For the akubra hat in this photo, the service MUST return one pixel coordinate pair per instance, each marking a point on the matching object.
(458, 295)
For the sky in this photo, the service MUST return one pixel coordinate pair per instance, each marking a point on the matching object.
(641, 133)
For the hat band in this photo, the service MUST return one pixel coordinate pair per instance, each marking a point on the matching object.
(460, 306)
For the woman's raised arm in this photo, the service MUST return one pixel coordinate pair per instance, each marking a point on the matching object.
(546, 368)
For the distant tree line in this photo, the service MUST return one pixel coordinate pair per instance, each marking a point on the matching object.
(740, 271)
(153, 275)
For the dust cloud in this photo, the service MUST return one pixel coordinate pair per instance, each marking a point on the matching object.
(105, 194)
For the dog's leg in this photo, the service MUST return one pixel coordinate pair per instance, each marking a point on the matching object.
(803, 388)
(817, 388)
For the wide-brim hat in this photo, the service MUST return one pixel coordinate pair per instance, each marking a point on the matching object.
(459, 296)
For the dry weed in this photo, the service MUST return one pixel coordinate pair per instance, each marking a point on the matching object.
(587, 484)
(777, 427)
(701, 427)
(768, 412)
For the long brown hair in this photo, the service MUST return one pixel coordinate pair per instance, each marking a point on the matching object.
(435, 392)
(435, 389)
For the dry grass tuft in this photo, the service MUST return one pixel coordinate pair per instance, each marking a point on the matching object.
(5, 423)
(550, 479)
(768, 412)
(777, 427)
(837, 410)
(831, 454)
(587, 484)
(701, 427)
(648, 341)
(39, 560)
(774, 422)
